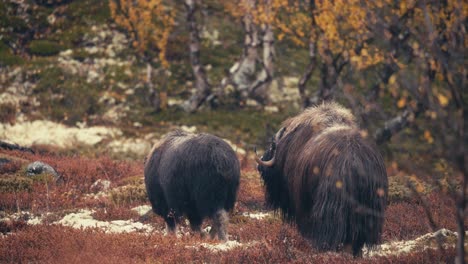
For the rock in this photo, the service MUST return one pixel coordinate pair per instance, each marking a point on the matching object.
(66, 53)
(142, 210)
(92, 76)
(190, 129)
(92, 50)
(174, 102)
(271, 109)
(100, 185)
(39, 167)
(116, 113)
(291, 82)
(51, 19)
(430, 240)
(251, 103)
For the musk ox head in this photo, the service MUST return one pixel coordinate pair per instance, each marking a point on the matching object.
(324, 176)
(192, 175)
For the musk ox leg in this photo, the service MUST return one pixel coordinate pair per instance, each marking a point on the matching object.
(220, 220)
(170, 228)
(353, 249)
(170, 220)
(195, 225)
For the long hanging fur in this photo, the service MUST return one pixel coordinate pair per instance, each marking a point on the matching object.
(328, 179)
(196, 175)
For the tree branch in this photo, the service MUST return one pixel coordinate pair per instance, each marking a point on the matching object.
(396, 124)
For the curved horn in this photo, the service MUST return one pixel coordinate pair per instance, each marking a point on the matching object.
(267, 163)
(279, 134)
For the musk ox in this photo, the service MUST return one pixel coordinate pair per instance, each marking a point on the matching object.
(196, 175)
(324, 176)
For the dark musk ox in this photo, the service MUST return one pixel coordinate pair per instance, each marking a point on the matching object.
(323, 174)
(196, 175)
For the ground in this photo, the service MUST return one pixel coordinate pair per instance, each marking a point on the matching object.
(98, 213)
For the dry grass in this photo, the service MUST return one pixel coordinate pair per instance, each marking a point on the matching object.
(265, 240)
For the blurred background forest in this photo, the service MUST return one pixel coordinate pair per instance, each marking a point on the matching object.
(242, 67)
(237, 69)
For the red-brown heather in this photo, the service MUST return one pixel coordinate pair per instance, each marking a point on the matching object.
(265, 240)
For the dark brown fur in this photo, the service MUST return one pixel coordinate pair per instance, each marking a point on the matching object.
(327, 179)
(196, 175)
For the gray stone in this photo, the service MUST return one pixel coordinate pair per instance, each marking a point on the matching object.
(39, 167)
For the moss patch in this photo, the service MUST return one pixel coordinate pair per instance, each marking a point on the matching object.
(14, 184)
(65, 97)
(398, 189)
(7, 58)
(250, 126)
(129, 194)
(44, 47)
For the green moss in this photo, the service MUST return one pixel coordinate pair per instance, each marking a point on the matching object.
(8, 20)
(398, 189)
(133, 180)
(70, 36)
(44, 47)
(129, 194)
(43, 178)
(88, 11)
(13, 184)
(7, 58)
(246, 125)
(80, 54)
(65, 97)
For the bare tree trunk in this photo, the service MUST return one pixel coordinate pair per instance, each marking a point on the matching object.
(259, 88)
(243, 72)
(153, 96)
(202, 86)
(307, 74)
(331, 67)
(312, 59)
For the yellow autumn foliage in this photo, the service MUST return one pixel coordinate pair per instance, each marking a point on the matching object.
(149, 23)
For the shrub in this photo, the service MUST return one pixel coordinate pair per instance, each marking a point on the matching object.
(44, 47)
(15, 184)
(7, 58)
(129, 194)
(7, 112)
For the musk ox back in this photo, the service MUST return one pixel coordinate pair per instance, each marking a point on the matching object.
(323, 175)
(196, 175)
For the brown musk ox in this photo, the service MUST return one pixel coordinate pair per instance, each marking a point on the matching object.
(327, 178)
(192, 175)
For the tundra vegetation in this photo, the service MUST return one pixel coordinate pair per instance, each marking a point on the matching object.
(119, 75)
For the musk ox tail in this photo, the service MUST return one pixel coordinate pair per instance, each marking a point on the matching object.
(347, 204)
